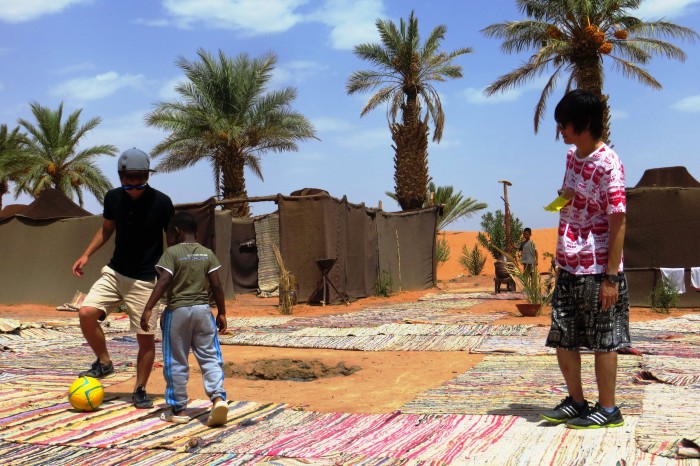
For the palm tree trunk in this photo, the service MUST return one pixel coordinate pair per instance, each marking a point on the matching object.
(233, 181)
(588, 74)
(4, 189)
(410, 163)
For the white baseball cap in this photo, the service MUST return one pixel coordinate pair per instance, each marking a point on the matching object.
(134, 160)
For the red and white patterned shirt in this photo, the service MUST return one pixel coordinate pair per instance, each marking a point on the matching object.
(598, 182)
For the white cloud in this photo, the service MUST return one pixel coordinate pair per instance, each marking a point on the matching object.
(75, 68)
(167, 92)
(294, 72)
(652, 10)
(688, 104)
(477, 96)
(250, 16)
(331, 125)
(352, 22)
(14, 11)
(618, 114)
(124, 131)
(152, 22)
(97, 87)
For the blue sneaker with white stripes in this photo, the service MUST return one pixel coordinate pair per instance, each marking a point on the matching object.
(597, 418)
(564, 411)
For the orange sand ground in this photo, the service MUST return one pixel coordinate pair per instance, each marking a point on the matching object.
(387, 379)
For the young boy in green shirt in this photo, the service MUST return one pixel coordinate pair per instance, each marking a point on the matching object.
(187, 321)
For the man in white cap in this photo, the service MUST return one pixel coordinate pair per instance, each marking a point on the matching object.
(139, 215)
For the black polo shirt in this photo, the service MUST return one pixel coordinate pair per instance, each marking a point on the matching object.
(139, 224)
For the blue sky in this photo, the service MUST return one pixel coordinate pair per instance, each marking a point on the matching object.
(115, 60)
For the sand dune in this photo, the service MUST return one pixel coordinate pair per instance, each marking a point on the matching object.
(545, 240)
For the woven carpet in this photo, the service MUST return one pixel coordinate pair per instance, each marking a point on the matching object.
(471, 295)
(275, 434)
(520, 386)
(670, 370)
(670, 415)
(531, 343)
(22, 454)
(267, 234)
(360, 343)
(426, 311)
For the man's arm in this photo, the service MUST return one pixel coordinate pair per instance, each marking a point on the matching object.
(158, 291)
(616, 241)
(218, 292)
(100, 238)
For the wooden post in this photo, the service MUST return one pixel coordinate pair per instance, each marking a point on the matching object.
(506, 183)
(398, 256)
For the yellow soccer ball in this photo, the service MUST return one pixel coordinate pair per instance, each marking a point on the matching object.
(86, 394)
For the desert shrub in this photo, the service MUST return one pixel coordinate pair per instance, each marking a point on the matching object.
(473, 261)
(664, 296)
(493, 236)
(383, 285)
(442, 250)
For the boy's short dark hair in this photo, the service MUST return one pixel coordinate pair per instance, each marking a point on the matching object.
(185, 221)
(583, 109)
(527, 230)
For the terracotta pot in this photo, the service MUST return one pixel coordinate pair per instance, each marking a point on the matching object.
(528, 309)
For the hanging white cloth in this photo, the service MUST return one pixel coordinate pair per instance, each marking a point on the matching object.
(675, 277)
(695, 277)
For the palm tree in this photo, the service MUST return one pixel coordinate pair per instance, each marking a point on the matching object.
(52, 158)
(406, 70)
(574, 37)
(227, 117)
(454, 205)
(12, 144)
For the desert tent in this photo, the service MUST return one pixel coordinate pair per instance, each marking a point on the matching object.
(365, 244)
(662, 226)
(50, 204)
(312, 228)
(39, 243)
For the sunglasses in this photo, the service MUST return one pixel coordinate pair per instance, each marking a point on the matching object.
(128, 187)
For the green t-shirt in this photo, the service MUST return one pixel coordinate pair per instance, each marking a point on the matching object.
(190, 265)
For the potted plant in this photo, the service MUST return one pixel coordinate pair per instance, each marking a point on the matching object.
(537, 287)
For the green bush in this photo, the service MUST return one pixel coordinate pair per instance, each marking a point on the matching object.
(383, 285)
(664, 296)
(442, 250)
(473, 261)
(493, 236)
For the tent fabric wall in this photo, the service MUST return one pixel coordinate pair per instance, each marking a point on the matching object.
(362, 240)
(37, 257)
(308, 232)
(244, 256)
(662, 222)
(267, 237)
(362, 255)
(662, 226)
(406, 243)
(222, 249)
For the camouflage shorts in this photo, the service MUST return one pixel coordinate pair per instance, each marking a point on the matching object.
(578, 321)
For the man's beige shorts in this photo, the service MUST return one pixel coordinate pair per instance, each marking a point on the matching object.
(113, 289)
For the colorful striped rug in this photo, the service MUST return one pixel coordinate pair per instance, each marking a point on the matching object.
(531, 343)
(275, 434)
(520, 386)
(360, 343)
(471, 295)
(670, 415)
(669, 369)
